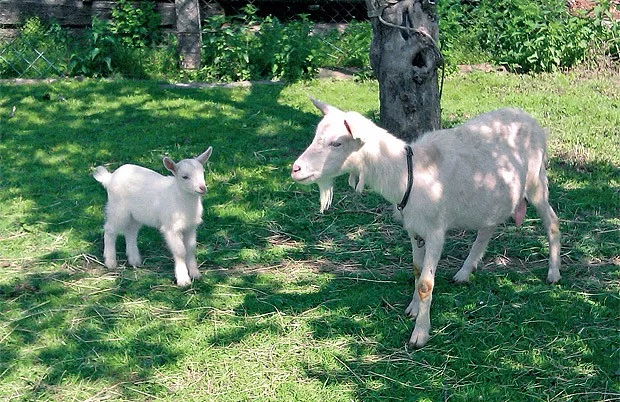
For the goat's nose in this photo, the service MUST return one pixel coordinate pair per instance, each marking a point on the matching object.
(296, 168)
(202, 189)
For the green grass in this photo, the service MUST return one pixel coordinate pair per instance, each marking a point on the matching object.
(295, 305)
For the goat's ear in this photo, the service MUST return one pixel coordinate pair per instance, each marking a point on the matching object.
(170, 165)
(323, 107)
(204, 157)
(358, 126)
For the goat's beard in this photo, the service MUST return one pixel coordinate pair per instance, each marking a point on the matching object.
(326, 189)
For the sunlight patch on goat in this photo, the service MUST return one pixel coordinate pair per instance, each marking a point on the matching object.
(486, 180)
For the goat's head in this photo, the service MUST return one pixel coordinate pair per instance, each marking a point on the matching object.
(190, 173)
(339, 136)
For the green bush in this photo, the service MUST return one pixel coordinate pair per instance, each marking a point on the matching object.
(534, 37)
(135, 25)
(92, 53)
(126, 45)
(248, 47)
(227, 45)
(287, 51)
(349, 48)
(526, 36)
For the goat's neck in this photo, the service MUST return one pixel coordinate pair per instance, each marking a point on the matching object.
(383, 168)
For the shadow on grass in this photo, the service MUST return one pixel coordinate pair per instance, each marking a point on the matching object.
(77, 323)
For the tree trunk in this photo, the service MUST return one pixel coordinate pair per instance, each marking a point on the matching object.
(188, 33)
(405, 59)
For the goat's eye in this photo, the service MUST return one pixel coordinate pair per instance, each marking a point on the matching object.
(335, 144)
(185, 177)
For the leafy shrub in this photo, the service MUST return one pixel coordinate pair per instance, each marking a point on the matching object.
(458, 34)
(135, 25)
(523, 35)
(123, 45)
(349, 48)
(92, 54)
(227, 45)
(533, 37)
(286, 51)
(248, 47)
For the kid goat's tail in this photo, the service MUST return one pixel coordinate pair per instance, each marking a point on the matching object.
(102, 175)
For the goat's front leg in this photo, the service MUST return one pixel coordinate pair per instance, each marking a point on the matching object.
(189, 240)
(424, 291)
(177, 248)
(131, 241)
(418, 250)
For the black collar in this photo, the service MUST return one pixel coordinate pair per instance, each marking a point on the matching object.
(403, 202)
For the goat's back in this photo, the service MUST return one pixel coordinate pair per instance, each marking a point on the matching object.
(137, 181)
(475, 174)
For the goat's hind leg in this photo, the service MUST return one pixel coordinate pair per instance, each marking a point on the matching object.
(475, 254)
(115, 223)
(109, 245)
(538, 196)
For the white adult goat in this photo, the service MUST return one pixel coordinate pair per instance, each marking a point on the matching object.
(138, 196)
(474, 176)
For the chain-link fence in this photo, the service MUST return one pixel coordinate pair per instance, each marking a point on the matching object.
(319, 11)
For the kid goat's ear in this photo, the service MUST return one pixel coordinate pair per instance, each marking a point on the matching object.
(170, 165)
(204, 157)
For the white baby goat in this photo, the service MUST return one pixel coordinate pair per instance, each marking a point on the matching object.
(138, 196)
(474, 176)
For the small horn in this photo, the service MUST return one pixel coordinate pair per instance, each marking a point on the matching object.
(323, 107)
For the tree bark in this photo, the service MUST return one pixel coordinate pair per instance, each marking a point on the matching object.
(188, 33)
(405, 59)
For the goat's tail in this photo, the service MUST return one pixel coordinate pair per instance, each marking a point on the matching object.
(102, 175)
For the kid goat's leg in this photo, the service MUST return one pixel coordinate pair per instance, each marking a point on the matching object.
(424, 290)
(131, 240)
(177, 248)
(418, 260)
(189, 240)
(116, 221)
(476, 253)
(109, 245)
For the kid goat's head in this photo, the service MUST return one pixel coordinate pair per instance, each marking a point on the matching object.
(339, 136)
(190, 173)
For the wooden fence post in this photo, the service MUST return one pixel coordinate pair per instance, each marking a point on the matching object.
(189, 33)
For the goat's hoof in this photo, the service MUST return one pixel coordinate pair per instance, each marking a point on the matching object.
(135, 262)
(412, 310)
(553, 277)
(110, 264)
(183, 283)
(461, 276)
(419, 339)
(195, 275)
